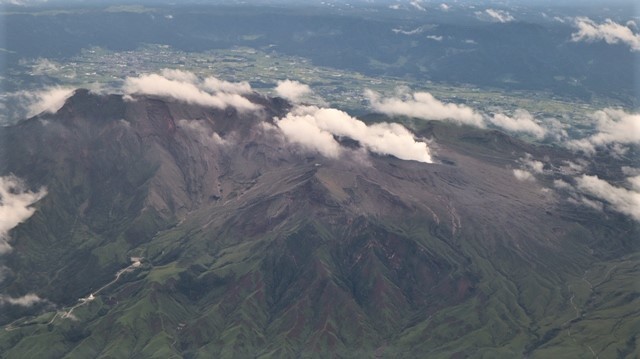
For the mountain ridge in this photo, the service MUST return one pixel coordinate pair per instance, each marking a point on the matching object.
(254, 247)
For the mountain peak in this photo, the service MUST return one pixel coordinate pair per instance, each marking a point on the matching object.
(233, 222)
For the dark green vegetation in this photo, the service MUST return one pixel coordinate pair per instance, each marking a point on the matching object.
(251, 249)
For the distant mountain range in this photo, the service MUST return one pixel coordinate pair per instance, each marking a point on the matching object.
(189, 231)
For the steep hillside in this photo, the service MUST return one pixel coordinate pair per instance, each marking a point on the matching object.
(188, 231)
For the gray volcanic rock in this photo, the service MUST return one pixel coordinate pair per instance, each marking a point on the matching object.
(254, 247)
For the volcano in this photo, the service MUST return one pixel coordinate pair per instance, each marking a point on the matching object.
(197, 232)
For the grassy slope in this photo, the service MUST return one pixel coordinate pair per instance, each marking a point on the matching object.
(253, 297)
(221, 284)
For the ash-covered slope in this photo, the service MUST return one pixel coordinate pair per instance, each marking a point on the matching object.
(250, 246)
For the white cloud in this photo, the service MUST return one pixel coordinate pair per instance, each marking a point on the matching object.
(179, 75)
(560, 184)
(217, 85)
(444, 7)
(522, 121)
(423, 105)
(556, 129)
(495, 15)
(28, 300)
(523, 175)
(634, 182)
(205, 135)
(44, 67)
(533, 165)
(303, 130)
(435, 37)
(186, 87)
(18, 105)
(15, 207)
(609, 32)
(417, 4)
(594, 204)
(49, 100)
(16, 203)
(415, 31)
(573, 168)
(582, 145)
(626, 201)
(293, 91)
(559, 19)
(22, 2)
(614, 127)
(594, 192)
(630, 171)
(315, 128)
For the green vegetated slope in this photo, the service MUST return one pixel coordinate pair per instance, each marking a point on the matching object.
(254, 249)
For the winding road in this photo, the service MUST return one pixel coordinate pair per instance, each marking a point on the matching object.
(136, 262)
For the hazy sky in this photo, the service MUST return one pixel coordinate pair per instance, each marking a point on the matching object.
(426, 3)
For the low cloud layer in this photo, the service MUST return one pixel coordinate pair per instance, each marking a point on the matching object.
(614, 128)
(423, 105)
(608, 31)
(22, 2)
(529, 167)
(523, 175)
(217, 85)
(495, 15)
(630, 171)
(187, 87)
(15, 207)
(44, 67)
(15, 106)
(202, 133)
(521, 121)
(28, 300)
(599, 194)
(623, 200)
(293, 91)
(415, 31)
(417, 4)
(532, 165)
(314, 128)
(49, 100)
